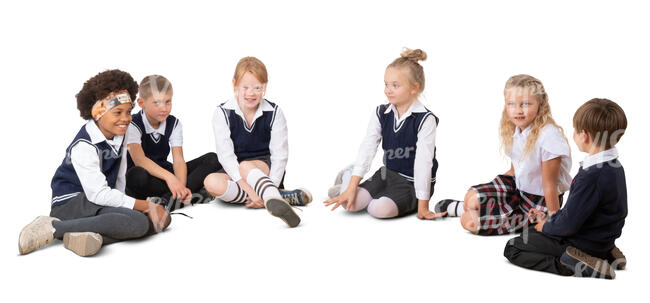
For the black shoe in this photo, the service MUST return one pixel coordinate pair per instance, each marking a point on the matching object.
(443, 205)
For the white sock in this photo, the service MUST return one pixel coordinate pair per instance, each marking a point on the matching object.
(234, 194)
(345, 180)
(262, 185)
(455, 209)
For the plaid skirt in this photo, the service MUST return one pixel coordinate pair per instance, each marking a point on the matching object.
(503, 209)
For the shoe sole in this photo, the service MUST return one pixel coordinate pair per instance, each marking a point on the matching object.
(599, 266)
(83, 244)
(281, 209)
(25, 248)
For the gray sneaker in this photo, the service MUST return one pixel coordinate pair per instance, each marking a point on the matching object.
(339, 176)
(334, 191)
(83, 244)
(36, 234)
(280, 208)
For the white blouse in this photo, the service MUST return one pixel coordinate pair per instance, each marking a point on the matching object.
(528, 168)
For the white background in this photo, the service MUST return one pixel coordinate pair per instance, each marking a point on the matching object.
(326, 62)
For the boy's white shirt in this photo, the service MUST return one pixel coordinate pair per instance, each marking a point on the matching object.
(603, 156)
(86, 163)
(278, 146)
(528, 168)
(423, 157)
(133, 134)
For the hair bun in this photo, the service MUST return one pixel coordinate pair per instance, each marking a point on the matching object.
(414, 54)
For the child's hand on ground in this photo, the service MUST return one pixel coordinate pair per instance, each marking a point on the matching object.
(429, 215)
(347, 198)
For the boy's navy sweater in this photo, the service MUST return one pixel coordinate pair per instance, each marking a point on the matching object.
(595, 211)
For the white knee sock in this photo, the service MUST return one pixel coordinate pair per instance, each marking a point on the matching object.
(455, 209)
(233, 194)
(383, 207)
(262, 185)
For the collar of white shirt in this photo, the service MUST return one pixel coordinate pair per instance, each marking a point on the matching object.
(264, 106)
(416, 107)
(97, 136)
(149, 129)
(519, 132)
(603, 156)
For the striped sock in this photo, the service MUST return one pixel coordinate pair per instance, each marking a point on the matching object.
(233, 194)
(262, 185)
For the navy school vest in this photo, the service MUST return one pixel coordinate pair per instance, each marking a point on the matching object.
(155, 149)
(65, 183)
(254, 141)
(399, 141)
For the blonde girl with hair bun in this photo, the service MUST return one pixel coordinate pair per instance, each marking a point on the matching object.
(539, 171)
(407, 131)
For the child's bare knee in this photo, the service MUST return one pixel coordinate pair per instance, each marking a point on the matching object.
(471, 199)
(469, 223)
(215, 184)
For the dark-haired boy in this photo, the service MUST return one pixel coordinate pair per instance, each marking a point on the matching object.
(579, 239)
(89, 208)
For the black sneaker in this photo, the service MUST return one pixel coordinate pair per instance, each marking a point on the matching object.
(443, 205)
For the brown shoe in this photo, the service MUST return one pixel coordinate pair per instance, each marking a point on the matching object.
(585, 265)
(618, 258)
(83, 244)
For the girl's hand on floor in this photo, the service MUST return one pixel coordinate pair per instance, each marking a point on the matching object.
(429, 215)
(347, 198)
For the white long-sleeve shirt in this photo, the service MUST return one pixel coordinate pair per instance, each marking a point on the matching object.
(278, 145)
(425, 148)
(86, 163)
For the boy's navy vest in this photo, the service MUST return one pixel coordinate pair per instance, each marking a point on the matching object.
(66, 184)
(157, 150)
(399, 141)
(254, 141)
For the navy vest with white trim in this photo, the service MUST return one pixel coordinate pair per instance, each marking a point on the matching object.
(399, 141)
(254, 141)
(65, 183)
(157, 150)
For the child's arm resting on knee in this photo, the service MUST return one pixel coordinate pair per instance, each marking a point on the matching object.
(140, 159)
